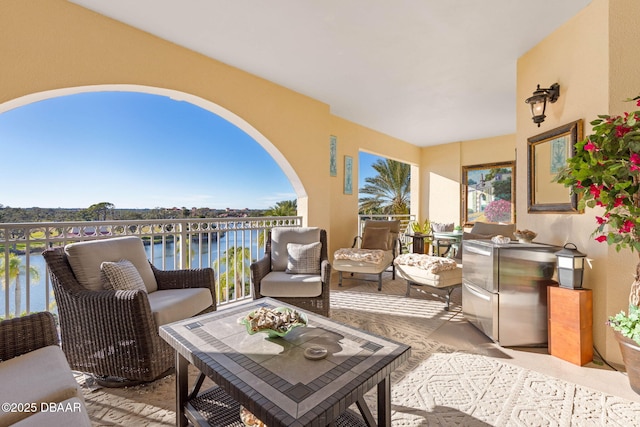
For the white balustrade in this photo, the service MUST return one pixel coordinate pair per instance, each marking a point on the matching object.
(228, 245)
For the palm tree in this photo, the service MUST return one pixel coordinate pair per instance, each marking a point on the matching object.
(237, 260)
(15, 269)
(389, 190)
(283, 208)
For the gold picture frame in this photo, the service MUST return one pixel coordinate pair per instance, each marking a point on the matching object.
(547, 155)
(488, 193)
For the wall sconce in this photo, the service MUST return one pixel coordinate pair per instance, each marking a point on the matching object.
(538, 101)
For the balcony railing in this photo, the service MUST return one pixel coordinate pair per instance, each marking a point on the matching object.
(228, 245)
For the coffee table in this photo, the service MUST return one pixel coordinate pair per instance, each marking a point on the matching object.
(272, 378)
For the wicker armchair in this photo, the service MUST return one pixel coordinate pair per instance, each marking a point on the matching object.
(113, 333)
(307, 291)
(22, 335)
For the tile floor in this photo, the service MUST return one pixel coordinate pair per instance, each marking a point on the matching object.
(459, 333)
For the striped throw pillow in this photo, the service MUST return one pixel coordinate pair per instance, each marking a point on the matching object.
(122, 276)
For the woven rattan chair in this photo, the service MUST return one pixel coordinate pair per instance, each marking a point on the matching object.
(270, 279)
(113, 333)
(22, 335)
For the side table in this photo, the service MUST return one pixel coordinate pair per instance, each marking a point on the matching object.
(571, 324)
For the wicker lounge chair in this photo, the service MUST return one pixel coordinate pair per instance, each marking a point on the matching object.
(114, 333)
(270, 278)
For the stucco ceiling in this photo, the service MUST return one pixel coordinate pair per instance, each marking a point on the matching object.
(425, 71)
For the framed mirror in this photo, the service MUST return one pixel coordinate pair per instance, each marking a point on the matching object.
(547, 155)
(488, 193)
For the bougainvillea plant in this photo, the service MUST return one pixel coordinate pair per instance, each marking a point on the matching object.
(605, 174)
(498, 210)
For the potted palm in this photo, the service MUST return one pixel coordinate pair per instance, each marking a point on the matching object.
(605, 174)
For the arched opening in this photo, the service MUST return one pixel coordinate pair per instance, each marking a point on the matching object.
(207, 105)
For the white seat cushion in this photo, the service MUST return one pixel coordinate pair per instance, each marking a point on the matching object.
(421, 276)
(39, 376)
(280, 284)
(281, 236)
(171, 305)
(354, 266)
(85, 259)
(70, 412)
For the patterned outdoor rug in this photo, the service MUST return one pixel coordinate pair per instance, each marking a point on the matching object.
(438, 386)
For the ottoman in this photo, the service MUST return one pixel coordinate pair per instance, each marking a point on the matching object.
(431, 271)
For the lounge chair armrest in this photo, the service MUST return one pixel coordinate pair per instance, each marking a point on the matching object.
(28, 333)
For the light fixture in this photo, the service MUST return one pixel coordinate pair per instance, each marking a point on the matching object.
(570, 267)
(538, 101)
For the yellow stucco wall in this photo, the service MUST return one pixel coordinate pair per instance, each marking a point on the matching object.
(53, 45)
(590, 57)
(441, 173)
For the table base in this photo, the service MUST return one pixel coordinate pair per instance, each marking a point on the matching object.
(214, 407)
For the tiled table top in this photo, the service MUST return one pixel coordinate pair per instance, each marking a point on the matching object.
(271, 376)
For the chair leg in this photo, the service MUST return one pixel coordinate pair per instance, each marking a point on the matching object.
(393, 271)
(379, 282)
(449, 290)
(340, 278)
(408, 288)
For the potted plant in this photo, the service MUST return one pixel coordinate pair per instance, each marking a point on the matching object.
(605, 174)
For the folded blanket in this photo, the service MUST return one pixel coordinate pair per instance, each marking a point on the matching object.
(432, 264)
(373, 256)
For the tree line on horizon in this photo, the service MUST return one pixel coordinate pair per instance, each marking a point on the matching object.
(105, 211)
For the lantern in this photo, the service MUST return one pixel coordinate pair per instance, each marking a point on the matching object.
(570, 267)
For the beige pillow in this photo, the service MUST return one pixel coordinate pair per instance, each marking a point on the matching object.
(376, 238)
(475, 236)
(303, 259)
(85, 259)
(122, 276)
(442, 227)
(281, 236)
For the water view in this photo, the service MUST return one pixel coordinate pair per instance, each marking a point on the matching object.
(203, 254)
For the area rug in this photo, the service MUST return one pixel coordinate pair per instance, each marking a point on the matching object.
(438, 386)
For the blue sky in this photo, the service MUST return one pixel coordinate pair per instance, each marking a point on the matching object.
(136, 151)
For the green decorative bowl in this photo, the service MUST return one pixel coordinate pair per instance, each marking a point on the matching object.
(294, 320)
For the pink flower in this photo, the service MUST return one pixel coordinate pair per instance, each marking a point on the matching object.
(638, 103)
(579, 184)
(601, 239)
(590, 146)
(619, 201)
(635, 161)
(627, 227)
(622, 130)
(595, 190)
(601, 220)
